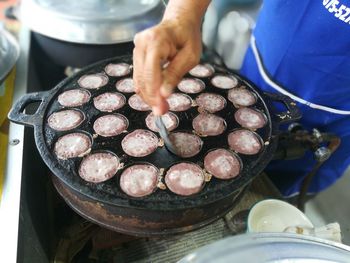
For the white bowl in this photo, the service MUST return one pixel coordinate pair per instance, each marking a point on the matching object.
(275, 216)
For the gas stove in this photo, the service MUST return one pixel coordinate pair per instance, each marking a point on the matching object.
(37, 215)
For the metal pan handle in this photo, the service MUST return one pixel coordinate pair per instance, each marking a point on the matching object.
(16, 114)
(292, 114)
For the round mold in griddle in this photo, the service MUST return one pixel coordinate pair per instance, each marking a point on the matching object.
(179, 102)
(202, 71)
(74, 97)
(187, 144)
(110, 125)
(65, 120)
(125, 85)
(139, 180)
(137, 103)
(210, 102)
(191, 85)
(185, 179)
(207, 124)
(93, 81)
(250, 118)
(245, 142)
(109, 101)
(241, 97)
(224, 81)
(71, 145)
(99, 166)
(223, 164)
(140, 143)
(117, 69)
(170, 120)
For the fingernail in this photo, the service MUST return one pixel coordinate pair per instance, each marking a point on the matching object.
(166, 90)
(156, 111)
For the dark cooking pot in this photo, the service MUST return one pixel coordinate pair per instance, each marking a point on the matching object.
(161, 212)
(78, 33)
(78, 55)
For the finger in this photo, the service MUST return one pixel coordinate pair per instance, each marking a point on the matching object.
(160, 104)
(138, 61)
(152, 73)
(183, 62)
(161, 108)
(156, 58)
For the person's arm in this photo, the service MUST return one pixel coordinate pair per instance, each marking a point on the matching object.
(177, 39)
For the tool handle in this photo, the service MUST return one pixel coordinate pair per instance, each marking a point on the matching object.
(17, 114)
(291, 114)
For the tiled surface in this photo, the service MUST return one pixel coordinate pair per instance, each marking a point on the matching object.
(333, 205)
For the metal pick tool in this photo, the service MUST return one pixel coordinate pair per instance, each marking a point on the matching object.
(165, 135)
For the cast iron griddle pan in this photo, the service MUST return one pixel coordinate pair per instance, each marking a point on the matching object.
(110, 191)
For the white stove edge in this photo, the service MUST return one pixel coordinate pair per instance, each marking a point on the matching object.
(10, 200)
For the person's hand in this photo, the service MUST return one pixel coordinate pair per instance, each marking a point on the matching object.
(177, 41)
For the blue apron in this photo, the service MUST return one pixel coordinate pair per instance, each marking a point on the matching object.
(302, 49)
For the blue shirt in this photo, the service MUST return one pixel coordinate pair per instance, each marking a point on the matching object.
(306, 47)
(303, 50)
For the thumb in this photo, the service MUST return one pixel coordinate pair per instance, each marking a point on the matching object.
(183, 62)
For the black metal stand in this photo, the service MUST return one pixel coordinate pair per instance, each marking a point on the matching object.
(295, 142)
